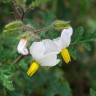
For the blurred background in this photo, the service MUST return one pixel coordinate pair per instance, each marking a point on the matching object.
(75, 79)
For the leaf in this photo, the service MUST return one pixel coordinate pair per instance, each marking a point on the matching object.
(74, 53)
(87, 46)
(6, 76)
(80, 36)
(60, 24)
(6, 82)
(78, 33)
(15, 25)
(92, 92)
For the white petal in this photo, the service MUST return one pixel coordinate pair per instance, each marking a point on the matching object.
(21, 48)
(65, 41)
(66, 37)
(58, 43)
(37, 50)
(67, 32)
(25, 51)
(45, 52)
(50, 46)
(49, 60)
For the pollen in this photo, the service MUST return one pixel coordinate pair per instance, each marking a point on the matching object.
(66, 56)
(32, 69)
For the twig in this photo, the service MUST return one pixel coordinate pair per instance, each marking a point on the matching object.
(18, 11)
(29, 28)
(18, 59)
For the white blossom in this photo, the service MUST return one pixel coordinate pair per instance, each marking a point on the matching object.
(44, 52)
(22, 47)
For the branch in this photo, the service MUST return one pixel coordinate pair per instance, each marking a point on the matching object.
(18, 11)
(30, 28)
(18, 59)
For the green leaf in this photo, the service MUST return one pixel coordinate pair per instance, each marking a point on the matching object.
(77, 35)
(15, 25)
(87, 46)
(74, 53)
(6, 82)
(92, 92)
(60, 24)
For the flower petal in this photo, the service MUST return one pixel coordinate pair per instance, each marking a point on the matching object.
(67, 32)
(50, 46)
(66, 37)
(21, 48)
(49, 60)
(58, 43)
(37, 50)
(25, 51)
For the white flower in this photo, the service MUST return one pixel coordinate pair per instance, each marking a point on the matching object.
(21, 48)
(44, 52)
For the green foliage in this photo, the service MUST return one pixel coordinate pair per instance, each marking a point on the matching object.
(21, 3)
(45, 19)
(92, 92)
(37, 3)
(5, 77)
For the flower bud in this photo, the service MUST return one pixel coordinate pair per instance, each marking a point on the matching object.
(21, 48)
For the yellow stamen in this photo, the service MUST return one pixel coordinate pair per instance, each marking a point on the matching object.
(33, 69)
(66, 56)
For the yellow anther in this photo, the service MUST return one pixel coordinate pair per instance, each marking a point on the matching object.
(66, 56)
(33, 68)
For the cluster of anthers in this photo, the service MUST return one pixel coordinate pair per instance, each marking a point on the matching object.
(44, 52)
